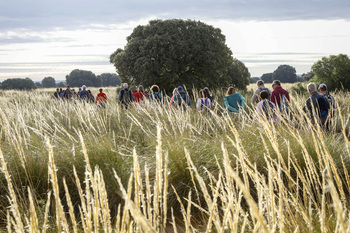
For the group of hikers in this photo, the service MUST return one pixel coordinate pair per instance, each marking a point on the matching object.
(83, 95)
(321, 105)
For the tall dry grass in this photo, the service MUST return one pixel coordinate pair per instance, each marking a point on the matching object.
(75, 167)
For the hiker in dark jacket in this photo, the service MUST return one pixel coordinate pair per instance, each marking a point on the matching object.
(125, 96)
(181, 98)
(317, 105)
(83, 94)
(68, 93)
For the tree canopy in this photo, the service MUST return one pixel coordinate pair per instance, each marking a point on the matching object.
(77, 78)
(267, 78)
(334, 71)
(238, 75)
(18, 84)
(174, 52)
(285, 73)
(108, 79)
(48, 82)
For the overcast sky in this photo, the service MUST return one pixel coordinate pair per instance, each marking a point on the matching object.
(41, 38)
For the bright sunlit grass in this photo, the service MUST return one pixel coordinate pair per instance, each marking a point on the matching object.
(74, 167)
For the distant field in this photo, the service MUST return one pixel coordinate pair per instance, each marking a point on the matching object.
(74, 167)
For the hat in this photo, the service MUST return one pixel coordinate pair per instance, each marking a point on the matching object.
(322, 87)
(83, 86)
(179, 88)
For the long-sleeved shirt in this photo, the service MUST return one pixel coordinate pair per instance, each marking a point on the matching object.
(101, 97)
(276, 96)
(234, 102)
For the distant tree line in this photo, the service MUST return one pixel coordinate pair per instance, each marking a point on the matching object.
(76, 78)
(333, 70)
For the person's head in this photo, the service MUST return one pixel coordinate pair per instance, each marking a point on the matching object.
(57, 89)
(311, 87)
(230, 91)
(141, 89)
(322, 88)
(84, 87)
(260, 83)
(89, 91)
(180, 88)
(100, 90)
(68, 87)
(264, 95)
(125, 85)
(61, 89)
(154, 88)
(206, 92)
(79, 89)
(276, 83)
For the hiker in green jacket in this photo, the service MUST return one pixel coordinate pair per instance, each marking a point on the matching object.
(233, 101)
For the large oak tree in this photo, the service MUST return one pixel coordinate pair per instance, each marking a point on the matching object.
(174, 52)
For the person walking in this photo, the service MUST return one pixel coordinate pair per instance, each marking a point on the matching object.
(317, 105)
(139, 94)
(332, 104)
(101, 99)
(181, 99)
(233, 101)
(265, 108)
(261, 87)
(203, 102)
(125, 96)
(84, 94)
(155, 95)
(280, 97)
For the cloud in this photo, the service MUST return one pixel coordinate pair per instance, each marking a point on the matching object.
(77, 13)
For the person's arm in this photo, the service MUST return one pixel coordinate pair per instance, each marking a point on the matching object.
(307, 106)
(287, 96)
(273, 98)
(189, 101)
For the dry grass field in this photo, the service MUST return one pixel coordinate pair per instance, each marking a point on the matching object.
(74, 167)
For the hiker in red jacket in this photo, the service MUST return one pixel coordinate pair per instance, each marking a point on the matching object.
(101, 99)
(279, 96)
(140, 94)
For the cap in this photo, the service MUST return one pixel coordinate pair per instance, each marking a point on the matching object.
(322, 87)
(83, 86)
(179, 88)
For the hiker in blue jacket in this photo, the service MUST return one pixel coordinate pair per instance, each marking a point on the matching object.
(181, 98)
(317, 105)
(233, 101)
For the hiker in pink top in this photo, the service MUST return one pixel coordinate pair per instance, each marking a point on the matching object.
(277, 93)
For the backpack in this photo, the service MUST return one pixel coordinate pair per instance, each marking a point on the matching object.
(181, 96)
(323, 105)
(156, 96)
(205, 104)
(268, 109)
(284, 105)
(126, 98)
